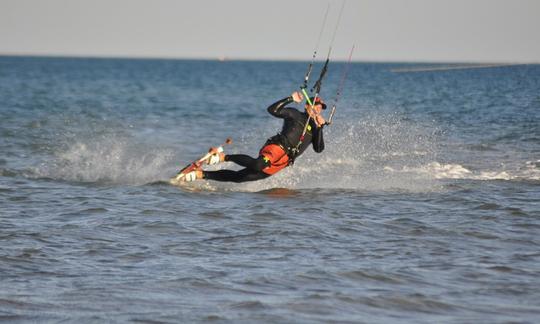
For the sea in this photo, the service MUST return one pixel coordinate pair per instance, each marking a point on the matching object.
(424, 206)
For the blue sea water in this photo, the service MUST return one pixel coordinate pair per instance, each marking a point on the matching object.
(424, 207)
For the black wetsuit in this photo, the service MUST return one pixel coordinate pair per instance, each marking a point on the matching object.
(288, 138)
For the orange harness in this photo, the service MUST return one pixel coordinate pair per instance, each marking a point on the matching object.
(277, 157)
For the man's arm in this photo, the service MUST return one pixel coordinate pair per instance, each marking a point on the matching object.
(318, 140)
(276, 109)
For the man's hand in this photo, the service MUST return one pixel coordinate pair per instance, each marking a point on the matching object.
(297, 97)
(319, 120)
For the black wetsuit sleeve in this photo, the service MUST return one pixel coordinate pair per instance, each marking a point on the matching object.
(276, 109)
(318, 140)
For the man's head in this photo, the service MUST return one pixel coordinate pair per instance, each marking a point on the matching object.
(318, 104)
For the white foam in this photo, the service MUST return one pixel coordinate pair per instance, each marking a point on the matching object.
(531, 170)
(107, 159)
(380, 152)
(438, 170)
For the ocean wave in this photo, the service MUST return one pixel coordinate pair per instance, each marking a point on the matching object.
(438, 170)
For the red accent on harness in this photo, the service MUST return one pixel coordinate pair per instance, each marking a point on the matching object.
(277, 156)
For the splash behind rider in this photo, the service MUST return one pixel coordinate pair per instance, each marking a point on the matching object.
(280, 150)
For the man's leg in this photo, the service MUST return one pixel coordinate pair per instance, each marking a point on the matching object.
(235, 176)
(248, 162)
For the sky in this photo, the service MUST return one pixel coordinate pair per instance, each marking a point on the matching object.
(487, 31)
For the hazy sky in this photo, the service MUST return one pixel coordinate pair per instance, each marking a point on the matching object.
(383, 30)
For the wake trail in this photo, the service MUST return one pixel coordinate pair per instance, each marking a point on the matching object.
(378, 152)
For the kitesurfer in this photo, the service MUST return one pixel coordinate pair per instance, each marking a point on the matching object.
(280, 150)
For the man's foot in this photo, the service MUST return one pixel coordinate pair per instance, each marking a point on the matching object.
(193, 175)
(216, 157)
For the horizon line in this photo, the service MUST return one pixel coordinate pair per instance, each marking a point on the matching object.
(251, 59)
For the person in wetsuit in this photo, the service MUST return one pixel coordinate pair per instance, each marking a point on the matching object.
(280, 150)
